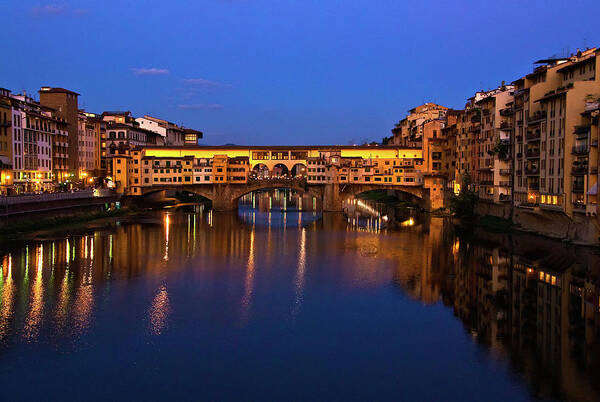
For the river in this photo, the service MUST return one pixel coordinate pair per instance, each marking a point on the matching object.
(278, 301)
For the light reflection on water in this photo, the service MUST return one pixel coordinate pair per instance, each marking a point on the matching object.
(303, 299)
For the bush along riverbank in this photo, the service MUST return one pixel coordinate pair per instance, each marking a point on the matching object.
(29, 227)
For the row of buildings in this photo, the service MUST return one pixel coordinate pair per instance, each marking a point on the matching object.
(50, 142)
(531, 145)
(145, 167)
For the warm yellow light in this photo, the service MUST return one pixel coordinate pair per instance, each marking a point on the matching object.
(408, 222)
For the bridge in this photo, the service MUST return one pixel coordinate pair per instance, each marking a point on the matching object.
(332, 174)
(225, 197)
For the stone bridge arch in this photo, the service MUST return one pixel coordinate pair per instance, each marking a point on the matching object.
(225, 197)
(350, 191)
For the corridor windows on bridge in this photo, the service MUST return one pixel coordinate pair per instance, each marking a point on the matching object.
(279, 155)
(260, 156)
(298, 155)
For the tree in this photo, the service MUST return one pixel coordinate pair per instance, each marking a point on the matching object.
(463, 204)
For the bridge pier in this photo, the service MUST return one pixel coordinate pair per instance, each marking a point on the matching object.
(332, 200)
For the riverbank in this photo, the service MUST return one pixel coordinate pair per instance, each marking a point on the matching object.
(60, 225)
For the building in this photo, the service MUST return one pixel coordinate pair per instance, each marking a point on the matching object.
(6, 142)
(556, 156)
(88, 148)
(33, 129)
(143, 168)
(65, 104)
(494, 164)
(172, 134)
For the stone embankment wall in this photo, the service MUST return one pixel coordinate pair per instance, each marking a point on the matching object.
(579, 229)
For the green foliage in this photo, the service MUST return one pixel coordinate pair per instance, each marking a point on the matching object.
(463, 204)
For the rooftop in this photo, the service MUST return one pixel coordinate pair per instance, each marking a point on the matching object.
(56, 90)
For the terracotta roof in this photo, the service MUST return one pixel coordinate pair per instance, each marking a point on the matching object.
(56, 90)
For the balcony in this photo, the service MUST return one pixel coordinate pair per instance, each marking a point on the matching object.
(505, 183)
(504, 156)
(505, 126)
(533, 135)
(505, 197)
(532, 153)
(580, 150)
(474, 129)
(580, 169)
(533, 186)
(486, 182)
(506, 112)
(505, 172)
(537, 117)
(579, 206)
(532, 171)
(582, 130)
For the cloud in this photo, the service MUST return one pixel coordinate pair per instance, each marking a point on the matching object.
(200, 106)
(150, 71)
(202, 82)
(48, 10)
(53, 10)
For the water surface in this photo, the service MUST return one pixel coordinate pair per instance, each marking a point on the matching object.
(280, 302)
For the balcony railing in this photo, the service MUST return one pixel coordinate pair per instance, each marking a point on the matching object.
(505, 172)
(536, 117)
(506, 112)
(505, 126)
(533, 153)
(505, 197)
(533, 135)
(582, 130)
(533, 171)
(578, 188)
(580, 150)
(505, 183)
(579, 169)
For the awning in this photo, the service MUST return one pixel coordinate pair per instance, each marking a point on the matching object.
(593, 190)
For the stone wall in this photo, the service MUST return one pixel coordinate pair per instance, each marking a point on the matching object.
(579, 229)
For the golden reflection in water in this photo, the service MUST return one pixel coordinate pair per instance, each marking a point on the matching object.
(6, 302)
(63, 303)
(299, 279)
(84, 298)
(36, 305)
(159, 311)
(249, 281)
(167, 225)
(82, 307)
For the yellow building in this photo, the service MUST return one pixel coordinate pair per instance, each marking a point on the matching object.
(6, 155)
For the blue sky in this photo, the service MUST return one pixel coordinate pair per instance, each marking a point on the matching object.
(278, 71)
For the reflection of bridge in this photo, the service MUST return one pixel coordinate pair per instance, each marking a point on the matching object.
(225, 197)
